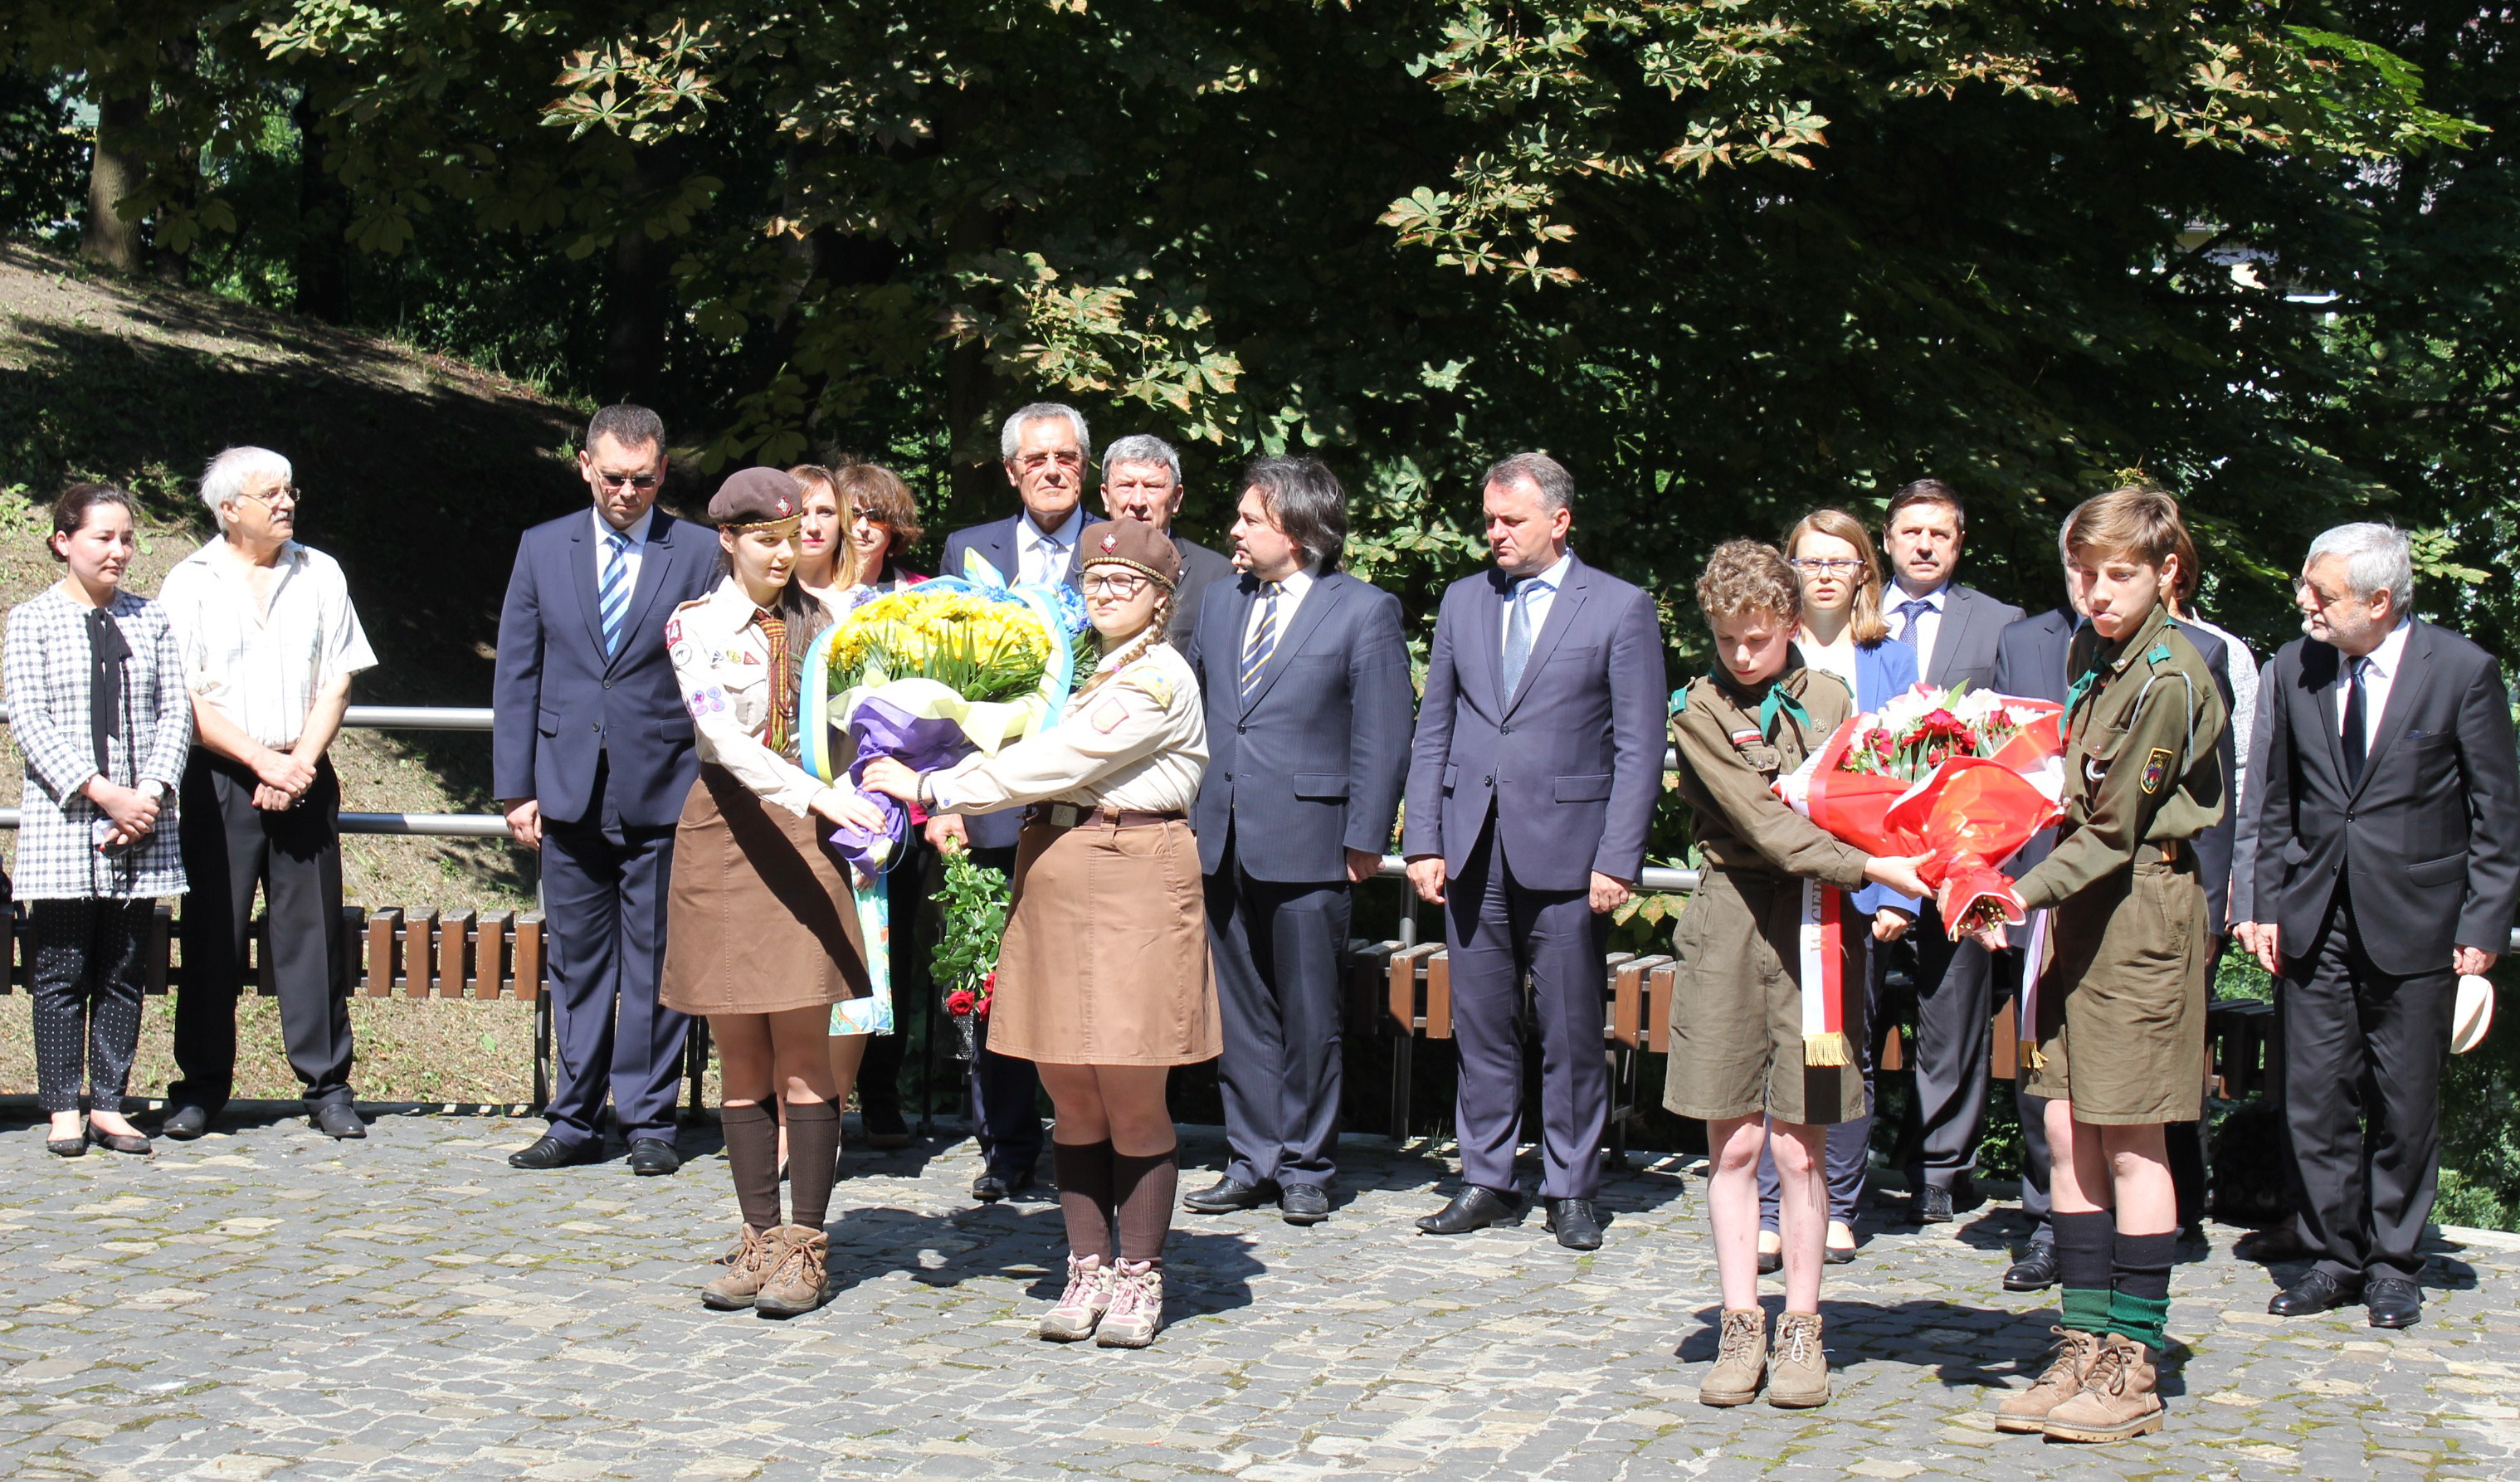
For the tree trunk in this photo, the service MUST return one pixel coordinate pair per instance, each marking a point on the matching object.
(323, 216)
(180, 57)
(106, 240)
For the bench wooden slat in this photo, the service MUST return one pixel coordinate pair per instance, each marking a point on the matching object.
(454, 953)
(1406, 966)
(1439, 995)
(528, 964)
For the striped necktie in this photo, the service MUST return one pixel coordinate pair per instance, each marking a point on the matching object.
(1264, 641)
(612, 594)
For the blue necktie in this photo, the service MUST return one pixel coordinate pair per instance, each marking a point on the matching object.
(1517, 632)
(1909, 612)
(1264, 641)
(612, 595)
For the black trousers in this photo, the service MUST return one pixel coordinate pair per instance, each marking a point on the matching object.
(1954, 987)
(230, 847)
(604, 890)
(1277, 947)
(84, 963)
(2363, 1065)
(1006, 1092)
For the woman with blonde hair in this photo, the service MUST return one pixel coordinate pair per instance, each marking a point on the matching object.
(1842, 631)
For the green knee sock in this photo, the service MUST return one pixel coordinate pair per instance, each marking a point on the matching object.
(2145, 1320)
(2139, 1306)
(2087, 1310)
(2086, 1246)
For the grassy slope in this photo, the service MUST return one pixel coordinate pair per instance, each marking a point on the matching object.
(420, 473)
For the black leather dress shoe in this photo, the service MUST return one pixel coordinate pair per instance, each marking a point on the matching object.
(2315, 1292)
(989, 1187)
(651, 1158)
(1473, 1208)
(550, 1152)
(2395, 1301)
(185, 1123)
(1575, 1224)
(335, 1119)
(1225, 1196)
(1932, 1206)
(2036, 1270)
(1303, 1204)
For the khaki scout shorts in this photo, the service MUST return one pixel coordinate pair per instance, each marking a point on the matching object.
(2122, 1006)
(1737, 1015)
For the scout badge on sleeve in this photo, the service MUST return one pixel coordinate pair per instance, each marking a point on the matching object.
(2156, 768)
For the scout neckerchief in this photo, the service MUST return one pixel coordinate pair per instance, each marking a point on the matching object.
(1773, 702)
(783, 696)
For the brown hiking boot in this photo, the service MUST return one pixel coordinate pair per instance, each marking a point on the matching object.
(1740, 1358)
(747, 1262)
(2027, 1411)
(796, 1282)
(2116, 1400)
(1798, 1378)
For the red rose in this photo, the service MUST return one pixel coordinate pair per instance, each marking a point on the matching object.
(984, 1007)
(958, 1002)
(989, 985)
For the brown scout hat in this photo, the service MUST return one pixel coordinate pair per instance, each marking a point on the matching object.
(752, 497)
(1131, 543)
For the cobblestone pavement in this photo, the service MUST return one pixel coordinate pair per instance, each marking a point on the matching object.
(266, 1304)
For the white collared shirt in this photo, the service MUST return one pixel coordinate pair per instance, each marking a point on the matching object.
(1043, 557)
(637, 554)
(262, 668)
(1539, 600)
(1919, 632)
(2379, 670)
(1290, 595)
(1836, 658)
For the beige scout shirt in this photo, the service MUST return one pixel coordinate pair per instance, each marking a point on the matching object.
(722, 664)
(1136, 742)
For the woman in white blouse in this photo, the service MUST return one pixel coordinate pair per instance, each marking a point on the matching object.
(1103, 980)
(761, 932)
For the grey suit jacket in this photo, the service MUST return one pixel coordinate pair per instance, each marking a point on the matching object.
(1311, 766)
(995, 542)
(1570, 764)
(1965, 643)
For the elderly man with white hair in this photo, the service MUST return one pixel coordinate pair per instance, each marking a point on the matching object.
(270, 643)
(1142, 479)
(2388, 864)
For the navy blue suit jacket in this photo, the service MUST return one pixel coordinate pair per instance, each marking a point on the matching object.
(559, 704)
(1571, 762)
(996, 544)
(1313, 766)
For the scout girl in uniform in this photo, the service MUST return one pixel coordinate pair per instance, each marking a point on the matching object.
(1741, 1058)
(762, 936)
(2121, 1002)
(1103, 977)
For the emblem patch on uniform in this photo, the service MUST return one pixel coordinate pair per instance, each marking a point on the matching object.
(1151, 684)
(1748, 738)
(1108, 715)
(2156, 767)
(1110, 542)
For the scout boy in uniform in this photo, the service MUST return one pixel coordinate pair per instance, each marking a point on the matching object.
(2120, 1011)
(1741, 1058)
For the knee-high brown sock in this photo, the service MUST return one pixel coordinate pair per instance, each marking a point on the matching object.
(752, 1155)
(813, 1160)
(1084, 1174)
(1146, 1188)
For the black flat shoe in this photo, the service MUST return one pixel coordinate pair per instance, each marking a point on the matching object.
(2313, 1293)
(2395, 1301)
(1225, 1196)
(1932, 1206)
(2036, 1270)
(185, 1123)
(1770, 1262)
(1473, 1208)
(119, 1142)
(66, 1147)
(653, 1157)
(550, 1152)
(1303, 1204)
(988, 1189)
(1837, 1255)
(1575, 1224)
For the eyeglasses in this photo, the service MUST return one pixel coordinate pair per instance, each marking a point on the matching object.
(1826, 566)
(273, 497)
(640, 481)
(1065, 458)
(1120, 584)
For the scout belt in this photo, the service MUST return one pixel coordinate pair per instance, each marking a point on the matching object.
(1070, 815)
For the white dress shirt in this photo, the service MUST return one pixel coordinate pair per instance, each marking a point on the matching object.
(2379, 669)
(1290, 595)
(1043, 557)
(638, 552)
(1919, 632)
(1539, 601)
(261, 667)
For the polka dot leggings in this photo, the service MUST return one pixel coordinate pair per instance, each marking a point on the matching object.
(86, 971)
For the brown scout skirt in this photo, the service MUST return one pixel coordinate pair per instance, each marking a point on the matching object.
(760, 920)
(1106, 954)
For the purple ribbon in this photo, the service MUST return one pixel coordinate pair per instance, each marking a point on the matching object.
(881, 728)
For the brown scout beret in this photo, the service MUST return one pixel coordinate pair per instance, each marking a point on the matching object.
(1131, 543)
(756, 497)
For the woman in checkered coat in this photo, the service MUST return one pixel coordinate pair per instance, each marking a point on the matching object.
(97, 698)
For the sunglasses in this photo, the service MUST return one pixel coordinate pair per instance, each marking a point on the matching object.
(640, 481)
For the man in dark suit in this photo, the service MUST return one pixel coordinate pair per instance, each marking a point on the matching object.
(1043, 448)
(2388, 863)
(591, 756)
(1531, 784)
(2030, 661)
(1142, 479)
(1955, 632)
(1309, 707)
